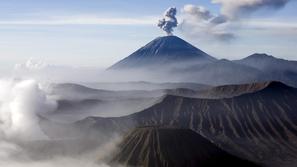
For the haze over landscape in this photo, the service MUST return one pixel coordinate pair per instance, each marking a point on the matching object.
(148, 84)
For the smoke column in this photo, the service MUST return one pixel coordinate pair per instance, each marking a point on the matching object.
(169, 21)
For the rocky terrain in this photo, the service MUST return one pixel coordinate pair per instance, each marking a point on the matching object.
(260, 125)
(172, 147)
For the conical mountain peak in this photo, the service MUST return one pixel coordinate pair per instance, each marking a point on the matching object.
(163, 50)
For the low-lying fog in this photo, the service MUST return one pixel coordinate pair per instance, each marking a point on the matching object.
(29, 102)
(24, 105)
(43, 94)
(38, 93)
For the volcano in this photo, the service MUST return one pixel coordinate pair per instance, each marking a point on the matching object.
(163, 50)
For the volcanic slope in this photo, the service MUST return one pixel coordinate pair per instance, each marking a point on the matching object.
(163, 50)
(260, 126)
(171, 147)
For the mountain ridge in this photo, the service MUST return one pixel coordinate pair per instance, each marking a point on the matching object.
(260, 126)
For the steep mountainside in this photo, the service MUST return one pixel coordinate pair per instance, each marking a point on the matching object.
(169, 147)
(261, 126)
(163, 50)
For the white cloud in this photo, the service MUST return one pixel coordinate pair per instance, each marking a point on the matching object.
(31, 64)
(21, 104)
(45, 72)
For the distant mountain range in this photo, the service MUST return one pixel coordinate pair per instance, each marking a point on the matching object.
(272, 68)
(181, 61)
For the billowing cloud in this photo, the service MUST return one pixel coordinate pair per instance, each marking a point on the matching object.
(200, 22)
(169, 21)
(21, 104)
(198, 11)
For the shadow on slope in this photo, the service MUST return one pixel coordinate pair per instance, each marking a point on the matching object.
(172, 147)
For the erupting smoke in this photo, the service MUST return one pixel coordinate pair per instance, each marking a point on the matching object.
(169, 21)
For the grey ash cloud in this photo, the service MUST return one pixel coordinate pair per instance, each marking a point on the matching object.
(237, 8)
(199, 22)
(169, 21)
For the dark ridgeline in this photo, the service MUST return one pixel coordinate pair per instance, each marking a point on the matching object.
(260, 125)
(172, 147)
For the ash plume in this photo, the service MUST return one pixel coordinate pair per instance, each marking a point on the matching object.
(235, 8)
(202, 23)
(199, 22)
(169, 21)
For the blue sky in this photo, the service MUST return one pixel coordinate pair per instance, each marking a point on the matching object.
(98, 33)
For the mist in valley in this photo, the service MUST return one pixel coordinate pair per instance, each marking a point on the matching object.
(53, 116)
(24, 106)
(166, 103)
(37, 116)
